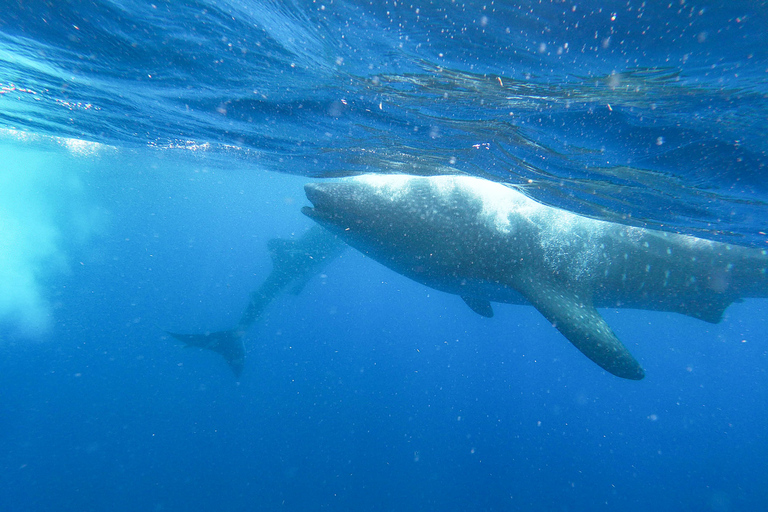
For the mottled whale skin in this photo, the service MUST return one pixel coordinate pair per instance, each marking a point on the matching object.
(488, 242)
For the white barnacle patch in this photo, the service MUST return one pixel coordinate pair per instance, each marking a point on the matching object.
(669, 251)
(647, 268)
(729, 267)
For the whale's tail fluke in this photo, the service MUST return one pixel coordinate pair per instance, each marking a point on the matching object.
(227, 343)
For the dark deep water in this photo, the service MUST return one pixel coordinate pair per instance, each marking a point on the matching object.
(150, 151)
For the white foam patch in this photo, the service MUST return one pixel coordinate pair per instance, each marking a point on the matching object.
(43, 212)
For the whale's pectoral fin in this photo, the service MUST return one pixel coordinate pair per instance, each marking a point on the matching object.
(480, 306)
(227, 343)
(578, 320)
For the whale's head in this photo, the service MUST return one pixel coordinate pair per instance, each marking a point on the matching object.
(405, 221)
(397, 219)
(335, 204)
(366, 212)
(411, 204)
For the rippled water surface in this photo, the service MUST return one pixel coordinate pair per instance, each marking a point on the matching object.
(644, 113)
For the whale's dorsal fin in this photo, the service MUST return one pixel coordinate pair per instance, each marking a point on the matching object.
(480, 306)
(709, 307)
(577, 319)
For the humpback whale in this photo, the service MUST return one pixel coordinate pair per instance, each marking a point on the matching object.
(488, 242)
(294, 263)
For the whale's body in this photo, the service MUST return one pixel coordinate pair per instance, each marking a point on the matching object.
(487, 242)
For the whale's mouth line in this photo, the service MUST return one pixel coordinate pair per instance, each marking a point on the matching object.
(312, 213)
(320, 198)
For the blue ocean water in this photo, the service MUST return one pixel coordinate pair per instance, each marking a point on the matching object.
(151, 150)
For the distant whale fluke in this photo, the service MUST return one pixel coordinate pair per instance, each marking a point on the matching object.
(227, 343)
(294, 263)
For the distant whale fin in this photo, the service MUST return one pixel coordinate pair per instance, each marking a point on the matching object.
(480, 306)
(227, 343)
(578, 320)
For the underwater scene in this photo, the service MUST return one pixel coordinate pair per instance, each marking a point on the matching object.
(383, 255)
